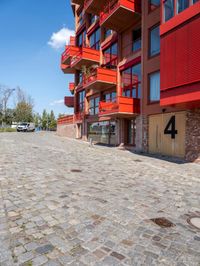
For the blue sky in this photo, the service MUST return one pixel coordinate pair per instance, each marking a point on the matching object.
(30, 53)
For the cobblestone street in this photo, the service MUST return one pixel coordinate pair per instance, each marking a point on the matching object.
(65, 203)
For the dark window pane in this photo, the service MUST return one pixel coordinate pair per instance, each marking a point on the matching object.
(182, 5)
(168, 9)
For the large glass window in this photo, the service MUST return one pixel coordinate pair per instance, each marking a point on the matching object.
(154, 87)
(131, 81)
(81, 101)
(154, 47)
(95, 40)
(103, 132)
(153, 4)
(81, 39)
(94, 106)
(182, 5)
(168, 9)
(81, 18)
(110, 56)
(110, 97)
(136, 40)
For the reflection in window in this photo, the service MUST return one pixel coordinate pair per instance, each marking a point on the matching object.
(131, 82)
(168, 9)
(154, 41)
(94, 106)
(81, 39)
(81, 101)
(110, 97)
(110, 56)
(95, 40)
(154, 90)
(182, 5)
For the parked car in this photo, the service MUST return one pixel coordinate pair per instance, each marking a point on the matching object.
(26, 127)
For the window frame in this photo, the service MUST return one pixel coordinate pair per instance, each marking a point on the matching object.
(115, 59)
(149, 41)
(96, 42)
(95, 106)
(149, 102)
(133, 41)
(81, 101)
(132, 84)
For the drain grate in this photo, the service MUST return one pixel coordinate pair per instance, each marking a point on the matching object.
(76, 171)
(163, 222)
(194, 221)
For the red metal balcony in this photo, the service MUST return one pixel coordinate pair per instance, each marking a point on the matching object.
(67, 69)
(100, 79)
(77, 2)
(120, 14)
(123, 107)
(69, 101)
(86, 56)
(70, 51)
(93, 6)
(65, 120)
(72, 87)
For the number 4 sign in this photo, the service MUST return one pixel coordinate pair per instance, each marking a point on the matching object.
(171, 128)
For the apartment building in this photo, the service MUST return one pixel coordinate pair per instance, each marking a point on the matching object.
(136, 75)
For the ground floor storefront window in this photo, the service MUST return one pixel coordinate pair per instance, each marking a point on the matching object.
(102, 132)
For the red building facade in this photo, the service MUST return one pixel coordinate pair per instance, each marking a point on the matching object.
(136, 67)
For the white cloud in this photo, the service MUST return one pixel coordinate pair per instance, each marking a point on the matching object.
(60, 38)
(57, 102)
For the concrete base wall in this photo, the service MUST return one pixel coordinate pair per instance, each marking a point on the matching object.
(67, 131)
(193, 135)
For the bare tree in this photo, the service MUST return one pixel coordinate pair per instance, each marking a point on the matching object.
(5, 94)
(24, 106)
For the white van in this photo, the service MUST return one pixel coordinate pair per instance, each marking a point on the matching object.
(26, 127)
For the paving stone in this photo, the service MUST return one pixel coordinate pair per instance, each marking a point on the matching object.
(44, 249)
(40, 260)
(99, 216)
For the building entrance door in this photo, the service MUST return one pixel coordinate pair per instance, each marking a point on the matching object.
(167, 134)
(129, 128)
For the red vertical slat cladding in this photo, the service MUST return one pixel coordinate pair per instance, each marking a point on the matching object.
(194, 50)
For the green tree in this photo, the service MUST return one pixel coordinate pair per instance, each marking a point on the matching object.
(44, 120)
(24, 107)
(52, 121)
(24, 112)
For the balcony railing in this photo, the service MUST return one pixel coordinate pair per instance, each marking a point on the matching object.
(65, 120)
(119, 14)
(69, 101)
(85, 56)
(101, 77)
(122, 107)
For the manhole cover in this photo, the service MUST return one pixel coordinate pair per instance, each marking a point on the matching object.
(76, 171)
(163, 222)
(194, 221)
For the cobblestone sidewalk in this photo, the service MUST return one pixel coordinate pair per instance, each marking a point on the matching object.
(64, 203)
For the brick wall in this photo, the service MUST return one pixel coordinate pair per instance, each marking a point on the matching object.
(67, 130)
(193, 135)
